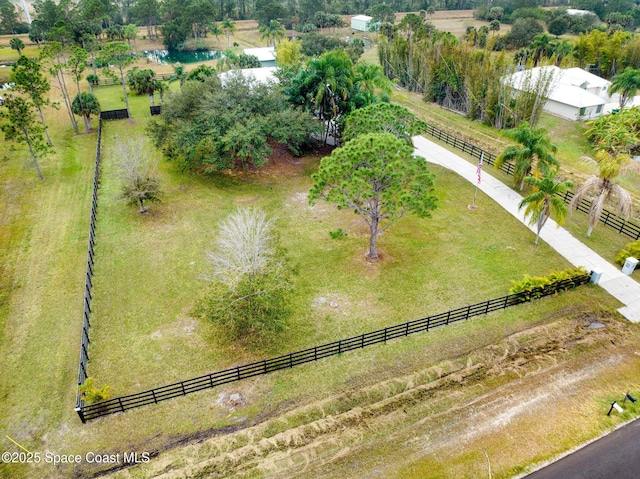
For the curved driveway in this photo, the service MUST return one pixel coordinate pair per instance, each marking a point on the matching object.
(617, 284)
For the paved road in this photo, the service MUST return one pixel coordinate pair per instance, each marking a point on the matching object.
(616, 456)
(617, 284)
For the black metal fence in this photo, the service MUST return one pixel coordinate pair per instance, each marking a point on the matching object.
(211, 380)
(88, 283)
(609, 218)
(114, 114)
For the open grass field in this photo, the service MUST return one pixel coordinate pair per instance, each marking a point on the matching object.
(149, 275)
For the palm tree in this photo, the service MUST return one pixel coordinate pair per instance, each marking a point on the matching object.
(85, 104)
(544, 202)
(602, 186)
(325, 86)
(272, 31)
(215, 30)
(627, 83)
(533, 156)
(562, 49)
(228, 27)
(16, 44)
(540, 46)
(179, 74)
(369, 77)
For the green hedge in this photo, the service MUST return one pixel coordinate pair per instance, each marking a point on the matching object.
(630, 249)
(533, 284)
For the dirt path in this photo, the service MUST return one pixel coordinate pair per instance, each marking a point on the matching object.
(524, 399)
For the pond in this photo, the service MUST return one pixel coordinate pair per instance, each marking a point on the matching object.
(166, 57)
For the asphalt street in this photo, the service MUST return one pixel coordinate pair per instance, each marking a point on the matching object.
(615, 456)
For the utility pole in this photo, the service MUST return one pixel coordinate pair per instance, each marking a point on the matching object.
(27, 16)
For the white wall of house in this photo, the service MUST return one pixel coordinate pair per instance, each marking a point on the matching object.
(571, 112)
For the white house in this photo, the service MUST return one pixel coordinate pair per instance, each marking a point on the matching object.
(267, 56)
(574, 94)
(361, 23)
(255, 75)
(574, 11)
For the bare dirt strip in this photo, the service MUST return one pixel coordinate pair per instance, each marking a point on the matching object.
(521, 400)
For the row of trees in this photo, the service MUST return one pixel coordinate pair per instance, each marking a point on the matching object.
(466, 77)
(458, 75)
(536, 166)
(24, 116)
(622, 12)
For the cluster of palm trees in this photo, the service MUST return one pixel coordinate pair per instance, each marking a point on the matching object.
(543, 46)
(536, 166)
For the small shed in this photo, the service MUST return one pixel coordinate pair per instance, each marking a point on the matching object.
(361, 23)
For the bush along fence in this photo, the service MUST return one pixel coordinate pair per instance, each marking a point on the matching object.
(609, 218)
(211, 380)
(84, 342)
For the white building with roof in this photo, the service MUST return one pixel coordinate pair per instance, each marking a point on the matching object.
(361, 23)
(574, 94)
(267, 54)
(263, 75)
(574, 11)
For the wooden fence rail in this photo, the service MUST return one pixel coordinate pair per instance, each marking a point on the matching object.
(88, 283)
(237, 373)
(116, 81)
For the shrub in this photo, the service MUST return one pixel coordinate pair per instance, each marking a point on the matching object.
(337, 234)
(252, 278)
(91, 394)
(533, 285)
(93, 79)
(629, 250)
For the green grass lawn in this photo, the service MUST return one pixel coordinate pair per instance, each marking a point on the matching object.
(149, 275)
(142, 319)
(604, 240)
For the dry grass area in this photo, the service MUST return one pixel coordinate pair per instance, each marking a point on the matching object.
(523, 400)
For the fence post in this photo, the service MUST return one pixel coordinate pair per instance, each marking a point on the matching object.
(80, 412)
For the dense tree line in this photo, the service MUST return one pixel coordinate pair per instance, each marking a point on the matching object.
(201, 132)
(463, 74)
(184, 20)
